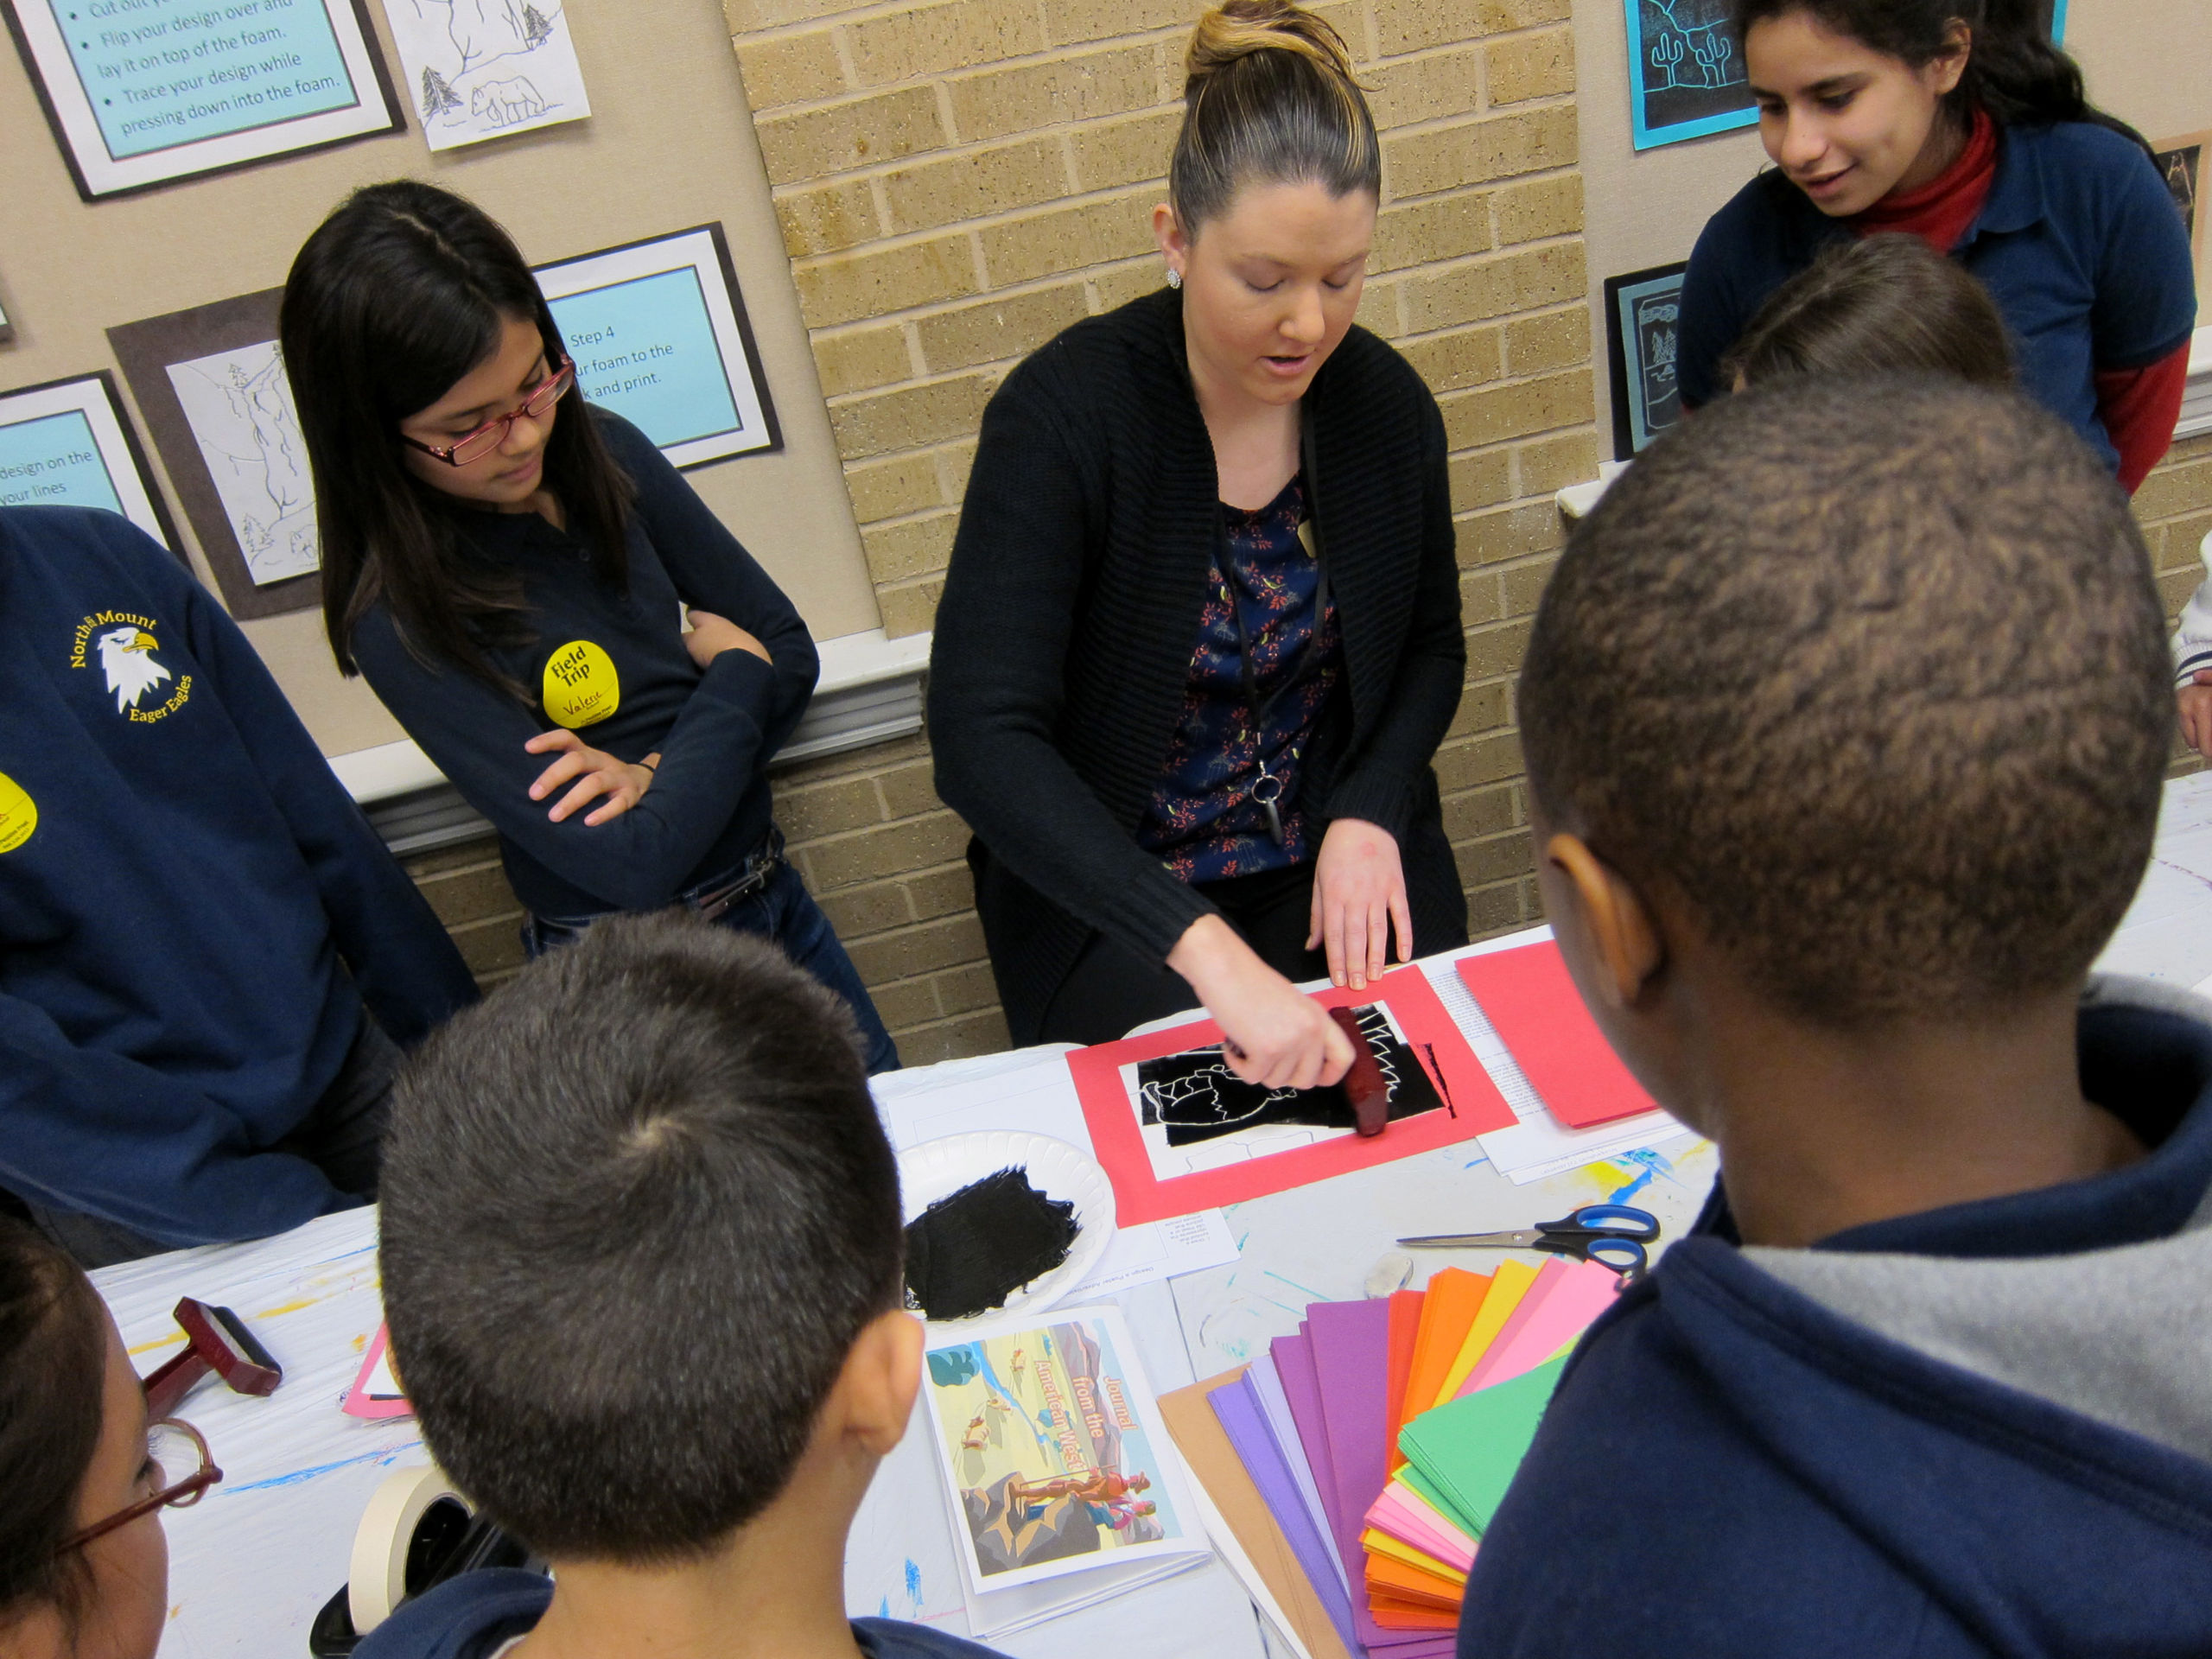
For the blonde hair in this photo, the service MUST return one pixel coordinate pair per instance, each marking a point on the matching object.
(1269, 94)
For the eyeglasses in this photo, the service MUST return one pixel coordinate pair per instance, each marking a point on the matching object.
(493, 432)
(170, 1444)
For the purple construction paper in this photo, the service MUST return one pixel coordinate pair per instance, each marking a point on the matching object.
(1351, 1365)
(1238, 1409)
(1293, 1357)
(1267, 1388)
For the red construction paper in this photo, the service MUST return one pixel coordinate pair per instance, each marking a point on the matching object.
(1531, 1000)
(1472, 1106)
(1404, 1326)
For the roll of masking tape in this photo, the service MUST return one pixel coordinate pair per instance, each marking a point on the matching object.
(376, 1583)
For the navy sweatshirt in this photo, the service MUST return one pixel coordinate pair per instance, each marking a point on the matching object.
(183, 887)
(477, 1615)
(1730, 1468)
(612, 667)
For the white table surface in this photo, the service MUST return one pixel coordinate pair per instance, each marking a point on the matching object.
(251, 1563)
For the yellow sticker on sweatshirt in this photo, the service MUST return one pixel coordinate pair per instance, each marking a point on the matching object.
(18, 814)
(581, 687)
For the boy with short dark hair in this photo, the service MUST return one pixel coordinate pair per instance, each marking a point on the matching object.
(1845, 715)
(642, 1265)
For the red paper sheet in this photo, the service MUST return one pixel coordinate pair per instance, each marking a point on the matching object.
(1472, 1106)
(1532, 1001)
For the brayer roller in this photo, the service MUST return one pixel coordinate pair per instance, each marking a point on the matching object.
(1365, 1085)
(216, 1340)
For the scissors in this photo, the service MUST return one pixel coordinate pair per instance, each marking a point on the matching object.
(1611, 1235)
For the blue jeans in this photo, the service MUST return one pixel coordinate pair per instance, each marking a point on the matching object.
(784, 913)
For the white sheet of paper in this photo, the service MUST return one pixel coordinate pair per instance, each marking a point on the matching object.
(239, 407)
(478, 69)
(1030, 1088)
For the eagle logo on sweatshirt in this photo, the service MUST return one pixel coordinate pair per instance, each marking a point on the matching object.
(123, 643)
(127, 657)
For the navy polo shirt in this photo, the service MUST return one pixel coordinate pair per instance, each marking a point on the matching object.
(2079, 245)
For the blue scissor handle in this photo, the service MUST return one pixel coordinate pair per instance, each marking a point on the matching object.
(1621, 1221)
(1623, 1255)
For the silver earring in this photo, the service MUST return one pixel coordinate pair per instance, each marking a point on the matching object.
(1174, 278)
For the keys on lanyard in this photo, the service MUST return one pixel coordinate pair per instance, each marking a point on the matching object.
(1267, 791)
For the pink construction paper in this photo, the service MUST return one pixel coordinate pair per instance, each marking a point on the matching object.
(1401, 1512)
(358, 1401)
(1293, 1357)
(1579, 1293)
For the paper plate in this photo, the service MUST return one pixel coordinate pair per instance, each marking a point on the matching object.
(937, 1169)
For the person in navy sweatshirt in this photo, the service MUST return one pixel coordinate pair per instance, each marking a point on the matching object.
(661, 1339)
(1846, 715)
(536, 593)
(206, 953)
(1958, 121)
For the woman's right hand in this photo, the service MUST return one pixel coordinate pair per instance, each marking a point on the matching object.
(1276, 1036)
(709, 636)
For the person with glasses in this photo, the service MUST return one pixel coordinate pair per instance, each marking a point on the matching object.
(537, 594)
(84, 1566)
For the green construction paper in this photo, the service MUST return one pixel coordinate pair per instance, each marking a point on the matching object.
(1470, 1448)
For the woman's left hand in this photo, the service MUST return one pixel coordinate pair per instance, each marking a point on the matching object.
(1359, 893)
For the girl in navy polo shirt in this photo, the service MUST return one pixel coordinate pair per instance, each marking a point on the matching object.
(537, 595)
(1958, 122)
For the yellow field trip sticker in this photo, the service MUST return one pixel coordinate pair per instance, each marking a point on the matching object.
(18, 814)
(580, 685)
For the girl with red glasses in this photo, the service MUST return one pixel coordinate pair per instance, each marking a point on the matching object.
(84, 1566)
(507, 565)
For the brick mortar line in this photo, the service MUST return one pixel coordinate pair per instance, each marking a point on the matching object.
(896, 240)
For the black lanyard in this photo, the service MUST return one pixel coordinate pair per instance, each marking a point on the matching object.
(1267, 789)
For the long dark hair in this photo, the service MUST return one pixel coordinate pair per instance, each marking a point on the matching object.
(2013, 72)
(1876, 305)
(1268, 95)
(398, 296)
(53, 1363)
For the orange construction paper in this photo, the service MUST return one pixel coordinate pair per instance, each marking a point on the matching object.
(1508, 1286)
(1392, 1577)
(1404, 1326)
(1455, 1296)
(1394, 1614)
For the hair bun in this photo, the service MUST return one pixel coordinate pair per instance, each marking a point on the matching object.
(1240, 28)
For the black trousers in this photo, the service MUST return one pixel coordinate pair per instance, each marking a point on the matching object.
(1112, 987)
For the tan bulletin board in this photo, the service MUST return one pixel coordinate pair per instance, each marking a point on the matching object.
(668, 146)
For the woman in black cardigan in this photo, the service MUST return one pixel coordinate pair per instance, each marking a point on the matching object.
(1200, 638)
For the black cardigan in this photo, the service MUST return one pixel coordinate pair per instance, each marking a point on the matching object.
(1072, 605)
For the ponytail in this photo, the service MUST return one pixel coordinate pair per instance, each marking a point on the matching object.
(1268, 95)
(2013, 73)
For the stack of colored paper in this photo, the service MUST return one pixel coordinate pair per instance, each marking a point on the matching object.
(1380, 1438)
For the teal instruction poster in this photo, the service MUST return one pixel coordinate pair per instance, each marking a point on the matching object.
(63, 444)
(52, 461)
(645, 349)
(657, 332)
(142, 91)
(166, 73)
